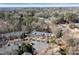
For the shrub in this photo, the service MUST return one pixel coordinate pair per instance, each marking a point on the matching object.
(25, 48)
(72, 26)
(53, 40)
(57, 20)
(63, 51)
(57, 32)
(70, 17)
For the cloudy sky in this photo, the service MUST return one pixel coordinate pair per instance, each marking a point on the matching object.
(39, 5)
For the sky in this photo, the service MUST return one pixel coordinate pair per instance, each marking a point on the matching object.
(39, 5)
